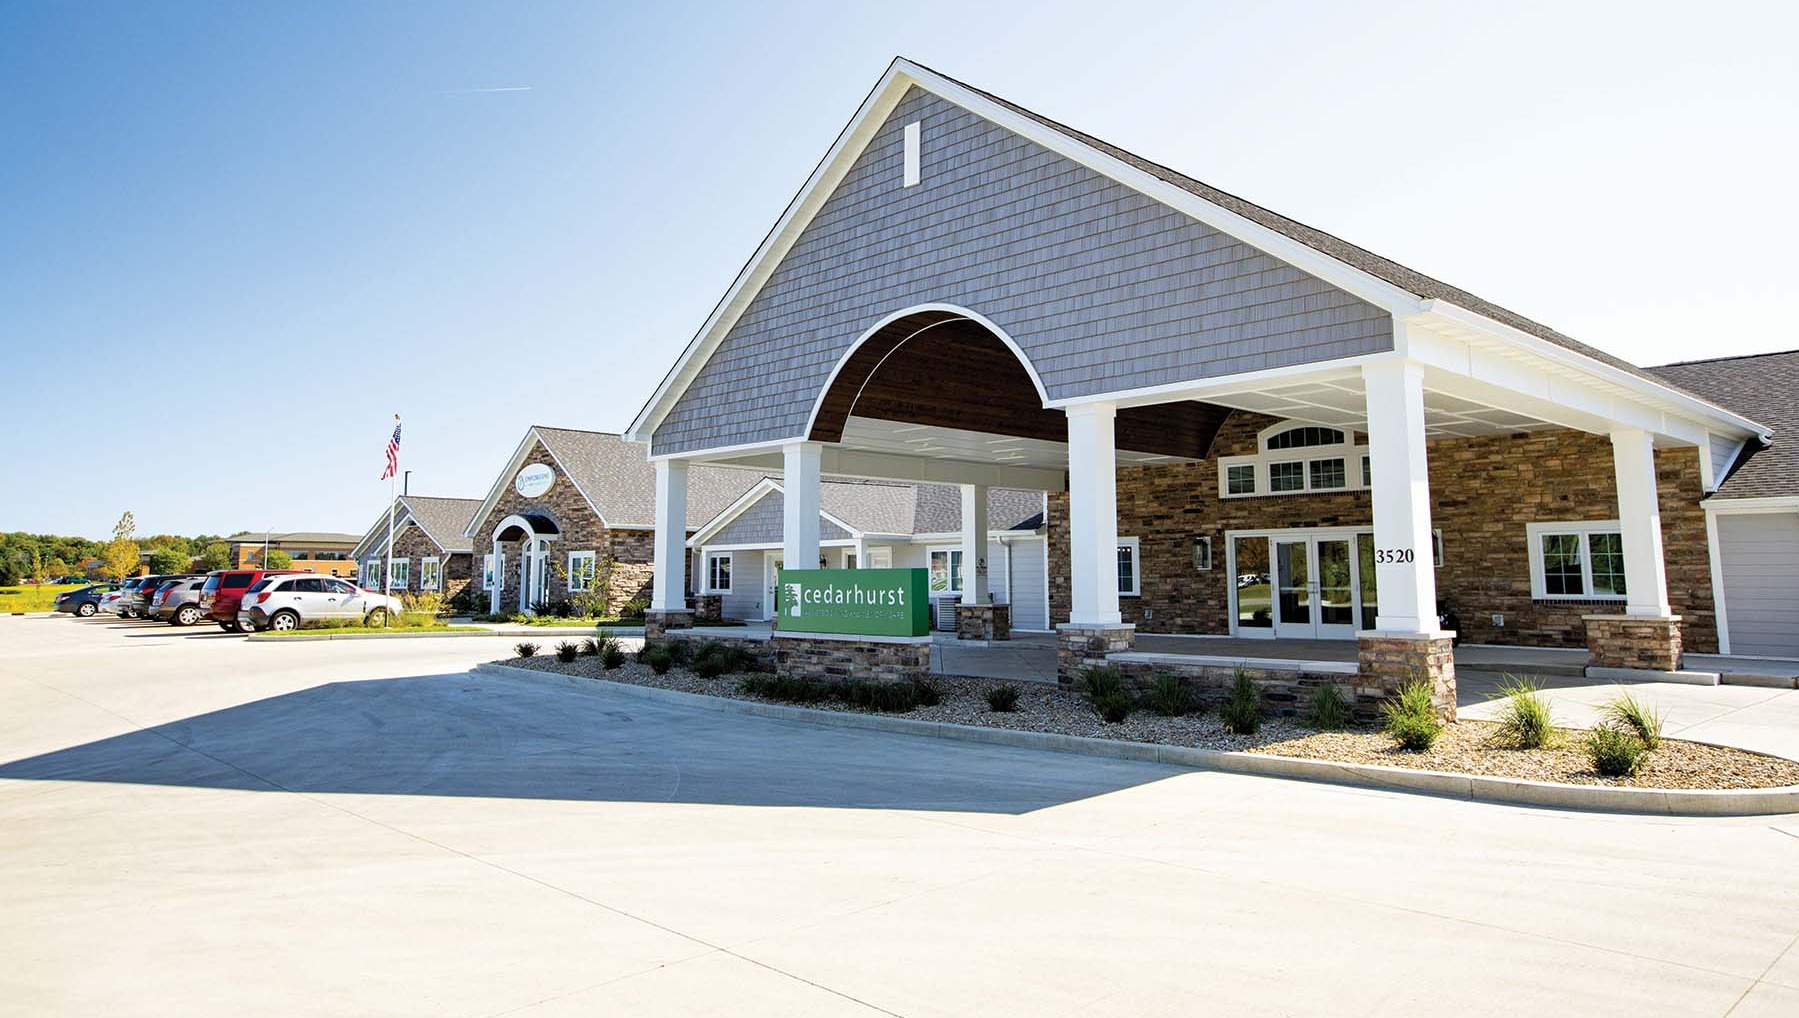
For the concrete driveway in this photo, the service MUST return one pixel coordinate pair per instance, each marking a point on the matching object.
(192, 824)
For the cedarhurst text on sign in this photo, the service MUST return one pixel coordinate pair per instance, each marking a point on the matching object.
(859, 602)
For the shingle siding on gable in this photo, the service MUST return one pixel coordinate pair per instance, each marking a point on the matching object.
(761, 524)
(1102, 287)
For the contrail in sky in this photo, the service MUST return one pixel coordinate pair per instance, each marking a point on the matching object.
(503, 88)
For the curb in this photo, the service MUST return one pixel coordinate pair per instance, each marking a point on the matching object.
(1473, 787)
(326, 634)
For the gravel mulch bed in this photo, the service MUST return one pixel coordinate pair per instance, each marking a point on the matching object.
(1466, 747)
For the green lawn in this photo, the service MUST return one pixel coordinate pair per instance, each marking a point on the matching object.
(35, 597)
(372, 630)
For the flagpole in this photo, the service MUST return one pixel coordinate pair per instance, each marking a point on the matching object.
(387, 583)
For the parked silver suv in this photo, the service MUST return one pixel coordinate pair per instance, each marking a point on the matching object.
(178, 603)
(288, 602)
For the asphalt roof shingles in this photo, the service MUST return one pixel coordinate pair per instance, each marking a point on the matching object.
(1765, 389)
(618, 479)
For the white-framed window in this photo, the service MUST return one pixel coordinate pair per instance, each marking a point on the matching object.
(582, 566)
(1576, 561)
(430, 573)
(371, 573)
(880, 558)
(718, 572)
(487, 572)
(1295, 459)
(399, 572)
(1130, 575)
(946, 570)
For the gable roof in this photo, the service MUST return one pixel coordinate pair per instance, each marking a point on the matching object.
(1761, 387)
(295, 537)
(1378, 280)
(617, 480)
(442, 519)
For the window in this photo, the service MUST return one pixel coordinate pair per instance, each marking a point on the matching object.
(399, 572)
(339, 588)
(1571, 561)
(946, 570)
(371, 573)
(1328, 474)
(880, 558)
(308, 585)
(1128, 580)
(581, 570)
(1286, 476)
(487, 572)
(428, 574)
(1274, 470)
(849, 559)
(1240, 479)
(235, 581)
(718, 572)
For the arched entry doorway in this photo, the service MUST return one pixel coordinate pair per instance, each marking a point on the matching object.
(531, 532)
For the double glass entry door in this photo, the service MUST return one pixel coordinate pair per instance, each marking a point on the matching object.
(1305, 586)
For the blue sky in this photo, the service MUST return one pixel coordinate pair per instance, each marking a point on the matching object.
(235, 239)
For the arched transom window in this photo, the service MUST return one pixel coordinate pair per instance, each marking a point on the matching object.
(1296, 459)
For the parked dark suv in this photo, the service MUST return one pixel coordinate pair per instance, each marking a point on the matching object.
(224, 591)
(141, 597)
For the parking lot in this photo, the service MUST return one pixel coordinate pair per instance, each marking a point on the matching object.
(191, 824)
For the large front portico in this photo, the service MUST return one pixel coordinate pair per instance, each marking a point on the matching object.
(966, 293)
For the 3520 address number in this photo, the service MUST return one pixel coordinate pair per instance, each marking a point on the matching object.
(1391, 555)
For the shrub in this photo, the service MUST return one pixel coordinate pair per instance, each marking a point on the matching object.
(525, 649)
(1523, 717)
(1627, 714)
(1169, 696)
(1328, 711)
(1113, 707)
(1242, 709)
(1412, 718)
(887, 697)
(1614, 752)
(566, 651)
(635, 608)
(928, 693)
(713, 659)
(612, 656)
(787, 687)
(1104, 689)
(679, 651)
(1003, 699)
(657, 657)
(590, 647)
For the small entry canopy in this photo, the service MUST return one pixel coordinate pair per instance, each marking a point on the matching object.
(520, 527)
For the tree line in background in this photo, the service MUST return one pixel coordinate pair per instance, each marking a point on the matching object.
(43, 556)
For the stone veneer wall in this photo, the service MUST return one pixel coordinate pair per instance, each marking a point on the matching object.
(582, 530)
(412, 545)
(1483, 492)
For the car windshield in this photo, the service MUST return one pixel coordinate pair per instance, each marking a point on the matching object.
(259, 585)
(211, 584)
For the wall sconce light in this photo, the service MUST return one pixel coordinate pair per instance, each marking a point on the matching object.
(1202, 553)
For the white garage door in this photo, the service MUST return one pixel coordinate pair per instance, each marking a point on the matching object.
(1760, 556)
(1028, 585)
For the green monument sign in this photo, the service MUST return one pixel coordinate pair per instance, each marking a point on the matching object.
(858, 602)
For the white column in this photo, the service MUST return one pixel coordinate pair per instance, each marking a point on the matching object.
(1640, 519)
(799, 504)
(499, 578)
(974, 544)
(668, 577)
(1403, 569)
(1093, 514)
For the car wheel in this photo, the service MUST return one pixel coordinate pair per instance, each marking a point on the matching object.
(284, 622)
(375, 618)
(86, 609)
(231, 627)
(187, 615)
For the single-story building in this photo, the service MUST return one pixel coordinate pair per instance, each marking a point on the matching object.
(878, 525)
(1752, 520)
(569, 518)
(1246, 426)
(431, 553)
(322, 552)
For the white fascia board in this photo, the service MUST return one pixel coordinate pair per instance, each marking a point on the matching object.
(1210, 389)
(1690, 407)
(903, 74)
(513, 464)
(840, 462)
(1757, 505)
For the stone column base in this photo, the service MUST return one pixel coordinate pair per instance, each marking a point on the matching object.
(1085, 645)
(984, 622)
(656, 623)
(1390, 660)
(837, 658)
(709, 607)
(1644, 642)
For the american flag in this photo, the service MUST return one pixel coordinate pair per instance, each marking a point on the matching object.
(393, 451)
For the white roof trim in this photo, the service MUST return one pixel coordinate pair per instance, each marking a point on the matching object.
(749, 498)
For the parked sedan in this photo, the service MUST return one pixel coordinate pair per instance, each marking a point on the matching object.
(178, 602)
(282, 603)
(84, 602)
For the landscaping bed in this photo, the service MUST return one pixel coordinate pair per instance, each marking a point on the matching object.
(1467, 747)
